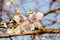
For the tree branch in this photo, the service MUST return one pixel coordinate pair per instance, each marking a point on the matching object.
(49, 12)
(10, 38)
(1, 26)
(31, 33)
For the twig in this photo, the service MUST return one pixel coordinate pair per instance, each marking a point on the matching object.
(10, 38)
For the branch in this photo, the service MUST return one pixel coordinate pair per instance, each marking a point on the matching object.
(10, 38)
(1, 26)
(31, 33)
(49, 12)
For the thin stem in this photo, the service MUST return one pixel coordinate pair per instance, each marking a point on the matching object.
(10, 38)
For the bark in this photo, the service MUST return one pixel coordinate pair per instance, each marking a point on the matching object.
(31, 33)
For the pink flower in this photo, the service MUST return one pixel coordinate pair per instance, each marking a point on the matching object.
(39, 16)
(31, 16)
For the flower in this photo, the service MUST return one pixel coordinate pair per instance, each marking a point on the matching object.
(39, 16)
(31, 16)
(7, 3)
(9, 31)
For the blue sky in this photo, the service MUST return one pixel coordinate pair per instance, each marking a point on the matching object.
(44, 7)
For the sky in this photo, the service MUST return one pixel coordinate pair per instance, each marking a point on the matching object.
(43, 7)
